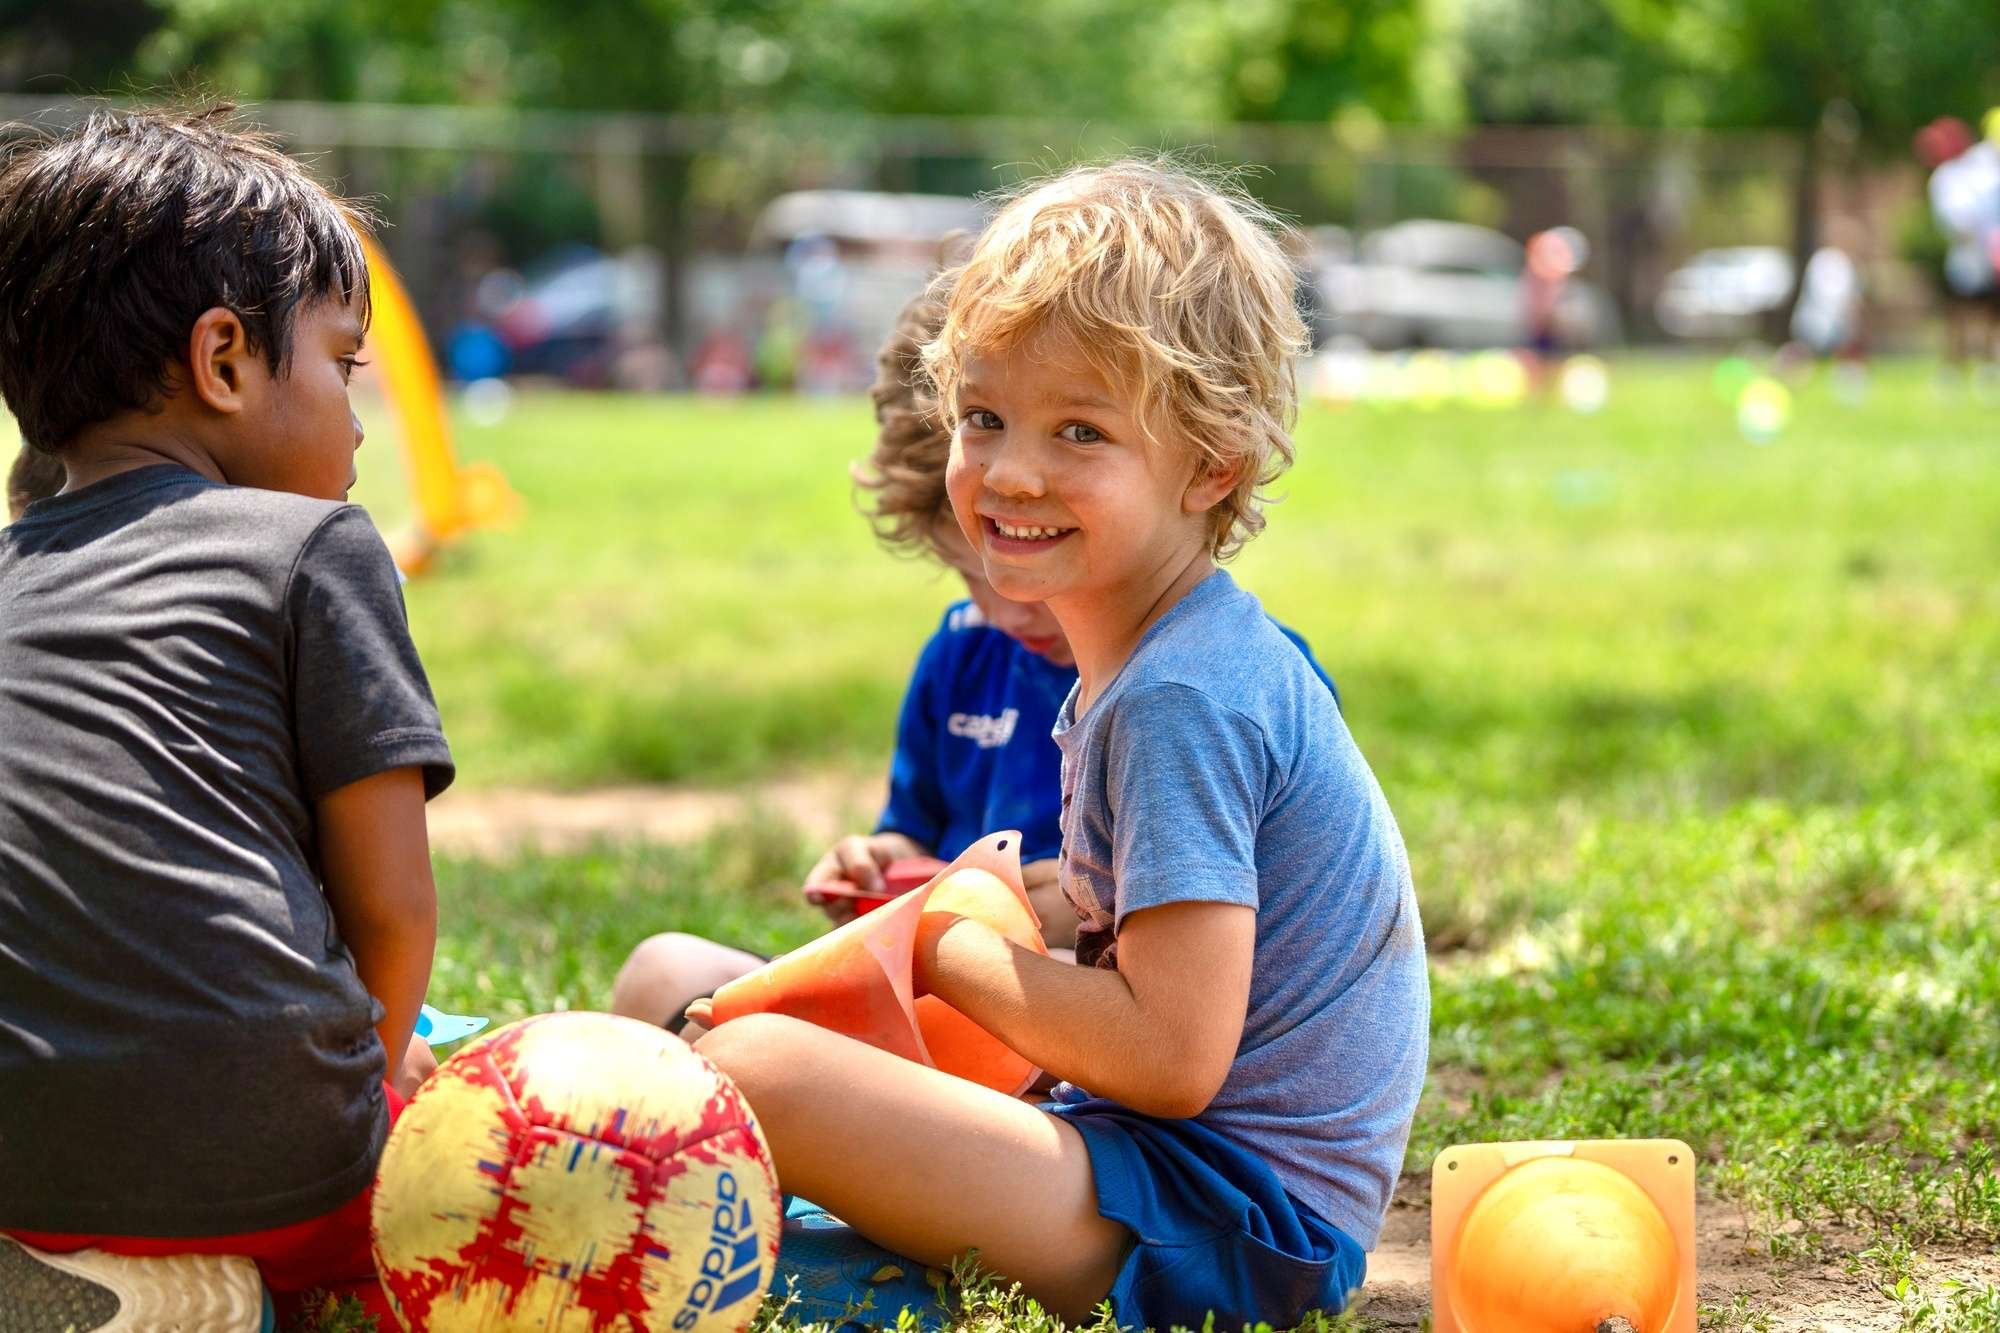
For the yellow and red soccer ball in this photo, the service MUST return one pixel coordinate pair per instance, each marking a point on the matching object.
(576, 1173)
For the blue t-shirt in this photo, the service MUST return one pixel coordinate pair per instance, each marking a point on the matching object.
(1208, 776)
(973, 747)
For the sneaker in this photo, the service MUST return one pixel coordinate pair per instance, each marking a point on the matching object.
(94, 1292)
(832, 1274)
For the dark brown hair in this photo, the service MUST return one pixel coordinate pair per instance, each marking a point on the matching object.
(116, 235)
(34, 476)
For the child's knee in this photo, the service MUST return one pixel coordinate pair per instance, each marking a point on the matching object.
(657, 954)
(767, 1055)
(651, 971)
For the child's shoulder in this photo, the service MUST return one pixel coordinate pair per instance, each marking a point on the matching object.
(1218, 643)
(247, 550)
(171, 498)
(963, 623)
(964, 640)
(284, 531)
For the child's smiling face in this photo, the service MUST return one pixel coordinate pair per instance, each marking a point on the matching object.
(1056, 485)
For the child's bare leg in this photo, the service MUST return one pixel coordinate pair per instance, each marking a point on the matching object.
(666, 972)
(923, 1163)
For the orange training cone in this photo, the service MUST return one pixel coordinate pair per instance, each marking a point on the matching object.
(1592, 1237)
(857, 979)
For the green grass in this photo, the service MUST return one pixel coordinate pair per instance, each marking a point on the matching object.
(1695, 744)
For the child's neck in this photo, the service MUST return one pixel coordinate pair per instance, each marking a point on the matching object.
(130, 441)
(1104, 628)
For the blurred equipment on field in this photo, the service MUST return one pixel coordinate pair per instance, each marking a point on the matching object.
(451, 499)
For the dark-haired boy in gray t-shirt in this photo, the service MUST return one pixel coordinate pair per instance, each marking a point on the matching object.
(216, 741)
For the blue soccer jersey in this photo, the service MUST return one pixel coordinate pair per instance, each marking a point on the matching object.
(974, 749)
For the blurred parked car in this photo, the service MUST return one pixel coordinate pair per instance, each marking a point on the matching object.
(1446, 284)
(1725, 293)
(575, 309)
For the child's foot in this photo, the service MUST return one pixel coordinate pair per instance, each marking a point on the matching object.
(93, 1292)
(835, 1275)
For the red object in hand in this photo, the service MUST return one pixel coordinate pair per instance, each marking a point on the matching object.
(898, 878)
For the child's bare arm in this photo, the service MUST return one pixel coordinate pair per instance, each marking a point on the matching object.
(1157, 1034)
(375, 863)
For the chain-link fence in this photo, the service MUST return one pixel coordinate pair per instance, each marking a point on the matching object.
(659, 251)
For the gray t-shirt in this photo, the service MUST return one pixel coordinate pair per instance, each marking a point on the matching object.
(1216, 768)
(185, 1048)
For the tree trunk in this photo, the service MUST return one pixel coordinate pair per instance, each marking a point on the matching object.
(1805, 228)
(671, 222)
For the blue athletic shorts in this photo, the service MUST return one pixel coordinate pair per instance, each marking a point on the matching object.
(1215, 1230)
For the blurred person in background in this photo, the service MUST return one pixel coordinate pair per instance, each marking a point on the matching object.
(1964, 194)
(1828, 319)
(1550, 258)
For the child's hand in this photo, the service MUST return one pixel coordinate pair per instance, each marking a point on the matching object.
(859, 860)
(418, 1064)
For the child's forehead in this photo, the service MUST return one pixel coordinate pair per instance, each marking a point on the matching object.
(336, 316)
(1050, 366)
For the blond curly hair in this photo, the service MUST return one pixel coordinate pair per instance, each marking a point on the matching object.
(1175, 287)
(902, 481)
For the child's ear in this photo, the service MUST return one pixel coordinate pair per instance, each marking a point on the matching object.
(219, 359)
(1210, 486)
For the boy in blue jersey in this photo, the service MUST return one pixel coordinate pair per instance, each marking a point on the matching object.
(1243, 1052)
(974, 750)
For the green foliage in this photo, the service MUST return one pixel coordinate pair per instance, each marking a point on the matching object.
(326, 1313)
(1730, 63)
(1766, 63)
(690, 597)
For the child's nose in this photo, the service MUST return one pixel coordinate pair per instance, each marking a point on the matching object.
(360, 433)
(1013, 469)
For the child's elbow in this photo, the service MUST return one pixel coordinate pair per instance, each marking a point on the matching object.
(1181, 1093)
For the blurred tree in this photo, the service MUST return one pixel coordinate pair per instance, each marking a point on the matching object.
(1839, 75)
(1307, 60)
(1766, 64)
(80, 46)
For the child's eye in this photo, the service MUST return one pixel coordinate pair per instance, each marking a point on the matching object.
(1078, 433)
(349, 364)
(980, 419)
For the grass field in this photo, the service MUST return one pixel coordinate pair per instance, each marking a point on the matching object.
(1695, 744)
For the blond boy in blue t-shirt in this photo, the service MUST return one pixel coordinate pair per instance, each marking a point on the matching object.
(1243, 1055)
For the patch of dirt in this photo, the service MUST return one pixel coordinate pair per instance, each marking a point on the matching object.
(497, 822)
(1800, 1297)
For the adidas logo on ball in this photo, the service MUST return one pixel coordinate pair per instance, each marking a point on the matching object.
(730, 1270)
